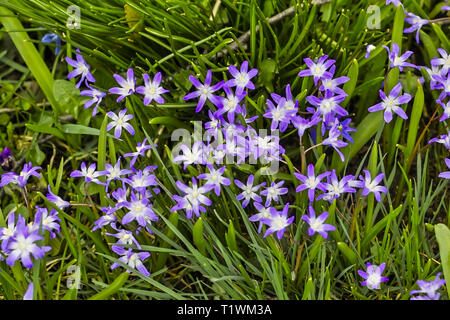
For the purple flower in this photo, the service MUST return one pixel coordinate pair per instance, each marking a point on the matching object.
(27, 171)
(369, 49)
(22, 246)
(7, 233)
(106, 219)
(182, 204)
(120, 195)
(233, 148)
(392, 103)
(215, 178)
(139, 209)
(205, 91)
(113, 173)
(331, 84)
(280, 114)
(194, 196)
(333, 141)
(318, 69)
(126, 86)
(311, 182)
(48, 221)
(371, 186)
(446, 107)
(213, 127)
(134, 261)
(6, 158)
(89, 173)
(273, 192)
(249, 191)
(194, 156)
(56, 200)
(443, 139)
(316, 224)
(443, 83)
(263, 213)
(435, 71)
(9, 177)
(302, 124)
(81, 67)
(20, 179)
(119, 122)
(336, 187)
(234, 132)
(373, 276)
(124, 237)
(230, 104)
(444, 61)
(328, 106)
(141, 180)
(96, 95)
(397, 60)
(241, 78)
(266, 148)
(278, 221)
(140, 151)
(342, 126)
(416, 24)
(290, 106)
(53, 37)
(446, 174)
(152, 89)
(429, 288)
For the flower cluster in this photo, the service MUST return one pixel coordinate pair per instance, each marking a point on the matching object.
(151, 90)
(129, 190)
(326, 110)
(22, 240)
(440, 80)
(234, 139)
(438, 73)
(392, 103)
(129, 211)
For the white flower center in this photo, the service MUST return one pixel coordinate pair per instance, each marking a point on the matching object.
(316, 225)
(311, 182)
(242, 79)
(373, 280)
(318, 70)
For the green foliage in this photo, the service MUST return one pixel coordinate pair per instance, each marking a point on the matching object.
(221, 255)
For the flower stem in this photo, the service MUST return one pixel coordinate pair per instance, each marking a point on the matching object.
(25, 196)
(314, 146)
(440, 20)
(94, 209)
(303, 156)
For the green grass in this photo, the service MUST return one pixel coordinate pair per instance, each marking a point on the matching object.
(221, 255)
